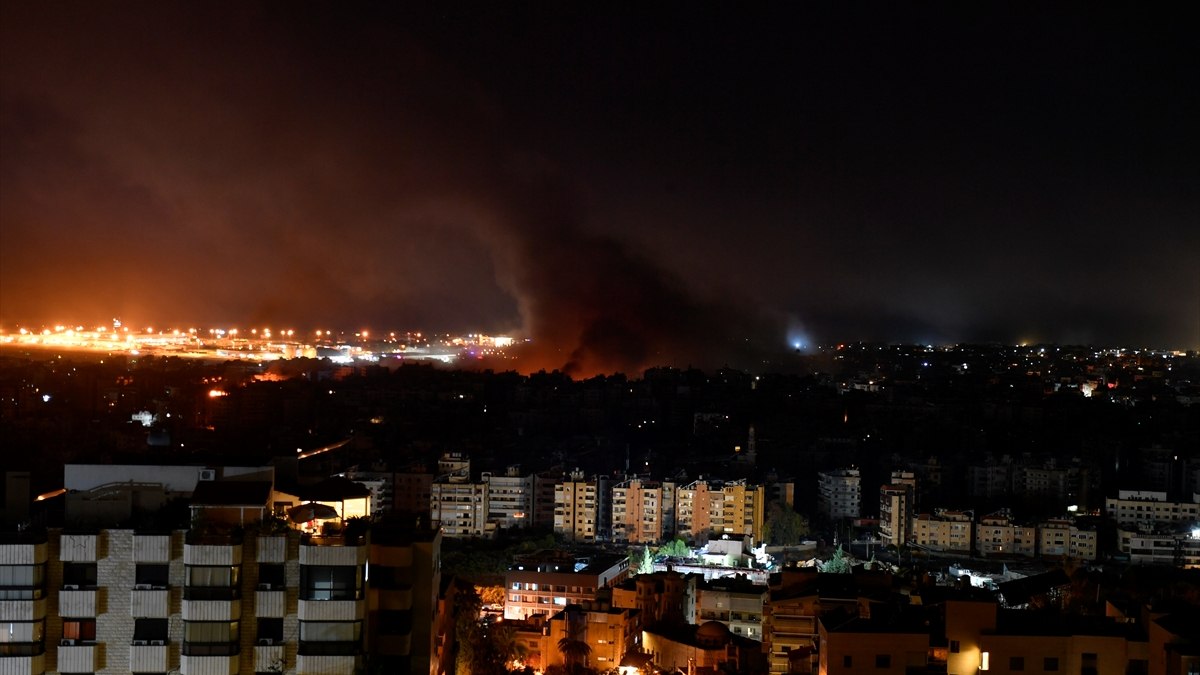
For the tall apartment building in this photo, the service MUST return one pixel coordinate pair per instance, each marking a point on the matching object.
(897, 502)
(217, 599)
(577, 508)
(839, 493)
(643, 512)
(459, 507)
(944, 530)
(509, 498)
(715, 508)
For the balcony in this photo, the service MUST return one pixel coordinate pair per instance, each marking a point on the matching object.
(150, 603)
(151, 548)
(334, 551)
(314, 664)
(205, 664)
(269, 658)
(34, 664)
(30, 604)
(145, 657)
(77, 602)
(213, 550)
(270, 603)
(331, 610)
(271, 549)
(78, 547)
(229, 609)
(77, 657)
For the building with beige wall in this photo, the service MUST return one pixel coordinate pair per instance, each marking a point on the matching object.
(643, 512)
(577, 509)
(997, 535)
(707, 509)
(944, 530)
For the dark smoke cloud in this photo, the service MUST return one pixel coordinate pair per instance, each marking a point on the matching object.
(172, 164)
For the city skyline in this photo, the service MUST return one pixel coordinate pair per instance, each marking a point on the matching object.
(628, 188)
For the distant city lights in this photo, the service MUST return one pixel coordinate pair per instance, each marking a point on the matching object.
(261, 343)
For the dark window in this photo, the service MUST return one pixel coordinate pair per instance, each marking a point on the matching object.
(212, 582)
(847, 661)
(270, 629)
(954, 646)
(79, 574)
(83, 630)
(1016, 663)
(210, 638)
(154, 576)
(1050, 664)
(883, 660)
(272, 575)
(150, 629)
(321, 582)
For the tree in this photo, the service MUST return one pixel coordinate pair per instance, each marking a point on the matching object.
(676, 548)
(782, 526)
(574, 646)
(642, 562)
(838, 564)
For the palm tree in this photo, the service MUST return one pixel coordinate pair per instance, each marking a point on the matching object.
(575, 652)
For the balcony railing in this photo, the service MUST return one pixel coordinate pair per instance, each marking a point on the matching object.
(333, 540)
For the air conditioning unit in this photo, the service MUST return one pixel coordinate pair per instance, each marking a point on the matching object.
(264, 587)
(158, 643)
(266, 642)
(66, 643)
(70, 587)
(208, 474)
(143, 587)
(139, 643)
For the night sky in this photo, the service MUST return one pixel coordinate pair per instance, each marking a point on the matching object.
(693, 183)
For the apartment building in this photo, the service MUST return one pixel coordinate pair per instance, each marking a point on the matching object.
(944, 530)
(997, 535)
(509, 499)
(609, 632)
(548, 581)
(577, 508)
(1145, 509)
(643, 511)
(735, 602)
(660, 597)
(1062, 538)
(895, 513)
(460, 507)
(1178, 546)
(720, 508)
(839, 493)
(217, 599)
